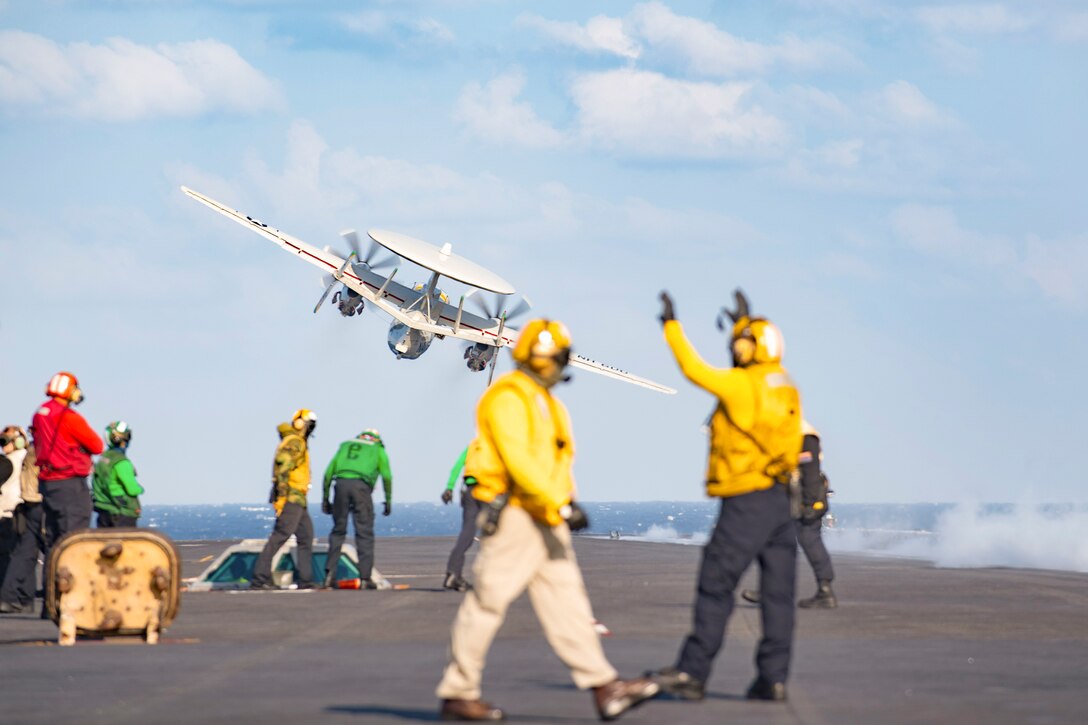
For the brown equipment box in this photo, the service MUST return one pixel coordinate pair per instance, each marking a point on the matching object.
(105, 582)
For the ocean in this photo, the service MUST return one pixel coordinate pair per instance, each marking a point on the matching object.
(1032, 536)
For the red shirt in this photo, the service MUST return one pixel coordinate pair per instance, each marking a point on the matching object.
(63, 442)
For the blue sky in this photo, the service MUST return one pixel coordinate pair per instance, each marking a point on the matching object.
(897, 184)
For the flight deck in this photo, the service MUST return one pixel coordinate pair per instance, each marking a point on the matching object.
(909, 643)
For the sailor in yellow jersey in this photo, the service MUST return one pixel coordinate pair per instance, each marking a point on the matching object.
(290, 485)
(755, 441)
(521, 459)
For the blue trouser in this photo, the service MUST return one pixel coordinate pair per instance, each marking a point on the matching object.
(294, 519)
(753, 526)
(808, 536)
(20, 580)
(352, 496)
(470, 510)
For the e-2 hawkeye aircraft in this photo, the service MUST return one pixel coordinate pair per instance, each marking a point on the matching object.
(422, 312)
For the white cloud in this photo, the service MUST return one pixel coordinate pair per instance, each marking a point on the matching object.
(986, 19)
(382, 26)
(843, 154)
(707, 50)
(905, 103)
(123, 81)
(494, 113)
(648, 114)
(956, 56)
(936, 231)
(600, 34)
(1073, 28)
(338, 185)
(1057, 267)
(653, 32)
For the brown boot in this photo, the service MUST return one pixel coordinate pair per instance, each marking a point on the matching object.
(469, 710)
(619, 696)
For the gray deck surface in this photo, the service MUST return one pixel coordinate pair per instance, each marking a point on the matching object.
(909, 643)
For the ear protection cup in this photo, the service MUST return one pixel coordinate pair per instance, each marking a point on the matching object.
(744, 350)
(298, 423)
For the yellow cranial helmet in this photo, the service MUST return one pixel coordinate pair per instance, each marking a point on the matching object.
(543, 349)
(542, 339)
(754, 339)
(757, 341)
(304, 420)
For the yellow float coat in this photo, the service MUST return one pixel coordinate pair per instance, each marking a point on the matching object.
(291, 468)
(523, 446)
(755, 431)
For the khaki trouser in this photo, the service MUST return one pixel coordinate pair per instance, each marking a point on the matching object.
(525, 554)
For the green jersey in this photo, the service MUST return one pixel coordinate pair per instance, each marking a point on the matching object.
(115, 488)
(364, 459)
(455, 472)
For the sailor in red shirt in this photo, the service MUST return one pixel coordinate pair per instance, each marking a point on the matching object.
(64, 444)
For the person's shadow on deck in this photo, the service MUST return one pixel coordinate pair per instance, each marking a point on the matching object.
(431, 715)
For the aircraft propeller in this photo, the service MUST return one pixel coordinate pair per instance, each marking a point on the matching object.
(371, 259)
(493, 306)
(330, 281)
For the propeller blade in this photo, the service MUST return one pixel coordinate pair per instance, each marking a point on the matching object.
(384, 262)
(522, 307)
(325, 293)
(498, 349)
(352, 238)
(371, 259)
(481, 304)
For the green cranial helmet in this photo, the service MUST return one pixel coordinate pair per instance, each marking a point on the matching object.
(371, 434)
(118, 433)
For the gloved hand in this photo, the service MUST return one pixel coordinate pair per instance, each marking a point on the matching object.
(666, 308)
(326, 507)
(575, 516)
(447, 496)
(488, 520)
(388, 509)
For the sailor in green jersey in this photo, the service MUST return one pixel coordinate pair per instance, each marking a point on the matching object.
(115, 487)
(470, 509)
(355, 468)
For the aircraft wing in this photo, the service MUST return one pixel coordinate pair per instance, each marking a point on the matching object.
(601, 369)
(395, 297)
(356, 276)
(510, 337)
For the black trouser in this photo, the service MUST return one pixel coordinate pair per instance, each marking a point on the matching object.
(67, 507)
(808, 536)
(107, 520)
(352, 495)
(21, 581)
(294, 519)
(758, 526)
(470, 510)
